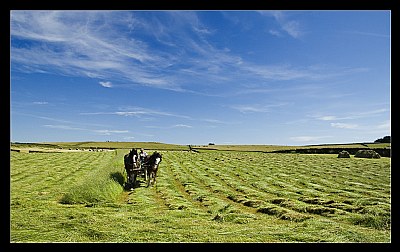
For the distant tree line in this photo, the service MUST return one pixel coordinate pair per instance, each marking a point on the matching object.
(385, 139)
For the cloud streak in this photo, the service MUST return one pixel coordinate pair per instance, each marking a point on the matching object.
(170, 127)
(106, 84)
(291, 27)
(137, 112)
(74, 44)
(352, 115)
(106, 132)
(344, 125)
(257, 108)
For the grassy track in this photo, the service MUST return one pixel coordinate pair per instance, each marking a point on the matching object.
(211, 196)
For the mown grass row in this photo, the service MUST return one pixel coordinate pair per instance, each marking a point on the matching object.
(37, 172)
(294, 191)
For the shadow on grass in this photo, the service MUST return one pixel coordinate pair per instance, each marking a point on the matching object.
(119, 177)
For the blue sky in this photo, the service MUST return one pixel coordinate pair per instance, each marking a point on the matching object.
(194, 77)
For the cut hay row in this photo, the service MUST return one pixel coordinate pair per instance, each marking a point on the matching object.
(293, 182)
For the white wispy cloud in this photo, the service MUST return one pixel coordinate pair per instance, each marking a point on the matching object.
(109, 132)
(285, 72)
(138, 112)
(249, 108)
(344, 125)
(106, 84)
(97, 131)
(354, 115)
(64, 127)
(121, 113)
(101, 45)
(257, 107)
(370, 34)
(169, 127)
(328, 118)
(73, 43)
(182, 126)
(63, 123)
(40, 103)
(215, 121)
(275, 33)
(290, 26)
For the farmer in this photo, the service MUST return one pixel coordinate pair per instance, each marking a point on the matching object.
(142, 155)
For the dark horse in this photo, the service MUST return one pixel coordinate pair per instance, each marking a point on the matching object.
(151, 164)
(131, 163)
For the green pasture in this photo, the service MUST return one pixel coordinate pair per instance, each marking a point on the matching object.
(206, 196)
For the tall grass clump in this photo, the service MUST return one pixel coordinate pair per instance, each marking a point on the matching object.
(373, 216)
(374, 221)
(93, 191)
(102, 185)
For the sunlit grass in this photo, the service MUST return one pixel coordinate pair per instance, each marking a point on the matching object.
(212, 196)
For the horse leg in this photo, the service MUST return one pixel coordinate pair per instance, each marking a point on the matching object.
(134, 179)
(152, 178)
(155, 177)
(131, 179)
(148, 178)
(128, 179)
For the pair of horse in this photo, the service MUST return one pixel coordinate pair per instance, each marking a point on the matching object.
(134, 167)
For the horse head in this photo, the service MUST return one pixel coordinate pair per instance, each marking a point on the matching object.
(154, 160)
(134, 157)
(158, 157)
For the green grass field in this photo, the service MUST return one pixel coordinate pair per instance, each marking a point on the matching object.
(209, 196)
